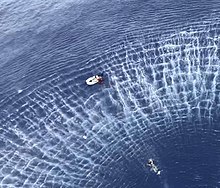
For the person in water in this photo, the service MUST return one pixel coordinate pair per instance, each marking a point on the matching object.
(153, 167)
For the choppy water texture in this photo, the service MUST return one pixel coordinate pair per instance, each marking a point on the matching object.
(160, 98)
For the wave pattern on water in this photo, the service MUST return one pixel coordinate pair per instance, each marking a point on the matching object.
(66, 134)
(161, 89)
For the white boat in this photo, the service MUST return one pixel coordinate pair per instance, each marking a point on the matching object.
(93, 80)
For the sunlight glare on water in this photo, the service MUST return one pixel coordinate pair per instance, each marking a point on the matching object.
(160, 97)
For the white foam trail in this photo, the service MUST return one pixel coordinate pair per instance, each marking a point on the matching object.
(165, 184)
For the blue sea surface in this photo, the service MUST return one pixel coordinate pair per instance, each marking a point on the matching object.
(160, 99)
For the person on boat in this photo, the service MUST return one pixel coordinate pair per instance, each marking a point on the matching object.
(153, 167)
(99, 79)
(94, 80)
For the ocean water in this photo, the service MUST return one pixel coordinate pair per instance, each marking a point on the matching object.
(160, 97)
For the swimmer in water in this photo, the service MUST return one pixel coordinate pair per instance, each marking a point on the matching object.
(153, 167)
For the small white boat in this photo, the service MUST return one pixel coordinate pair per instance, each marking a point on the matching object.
(94, 80)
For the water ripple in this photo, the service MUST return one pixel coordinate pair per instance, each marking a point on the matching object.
(58, 132)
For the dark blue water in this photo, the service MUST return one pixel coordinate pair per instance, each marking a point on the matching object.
(160, 98)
